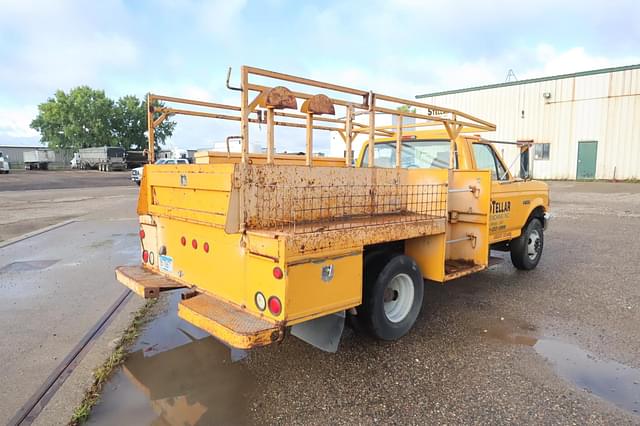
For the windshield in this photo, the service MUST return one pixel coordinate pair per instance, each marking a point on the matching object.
(420, 154)
(161, 161)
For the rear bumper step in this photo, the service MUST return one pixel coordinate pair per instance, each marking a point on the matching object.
(229, 323)
(144, 282)
(224, 320)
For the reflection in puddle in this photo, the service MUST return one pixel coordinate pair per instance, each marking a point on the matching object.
(177, 374)
(607, 379)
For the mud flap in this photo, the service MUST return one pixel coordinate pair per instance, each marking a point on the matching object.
(324, 333)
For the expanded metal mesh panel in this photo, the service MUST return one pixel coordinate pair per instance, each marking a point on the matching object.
(321, 208)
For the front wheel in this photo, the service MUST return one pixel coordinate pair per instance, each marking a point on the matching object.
(526, 250)
(393, 299)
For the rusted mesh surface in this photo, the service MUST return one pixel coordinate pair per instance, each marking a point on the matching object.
(319, 208)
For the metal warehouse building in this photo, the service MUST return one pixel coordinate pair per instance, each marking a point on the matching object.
(585, 125)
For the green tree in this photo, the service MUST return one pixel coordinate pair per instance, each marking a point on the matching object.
(86, 117)
(406, 108)
(130, 123)
(79, 119)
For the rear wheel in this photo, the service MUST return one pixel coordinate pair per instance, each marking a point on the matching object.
(392, 298)
(526, 250)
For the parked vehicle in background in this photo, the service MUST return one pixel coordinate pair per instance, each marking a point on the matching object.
(136, 174)
(135, 159)
(75, 161)
(38, 159)
(4, 164)
(104, 158)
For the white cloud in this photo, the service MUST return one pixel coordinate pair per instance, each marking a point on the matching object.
(408, 76)
(14, 122)
(220, 17)
(550, 61)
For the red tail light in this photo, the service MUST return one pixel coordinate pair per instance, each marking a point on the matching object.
(277, 273)
(145, 256)
(183, 241)
(275, 307)
(142, 234)
(194, 244)
(206, 247)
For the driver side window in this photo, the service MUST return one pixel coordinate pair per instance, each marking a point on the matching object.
(486, 159)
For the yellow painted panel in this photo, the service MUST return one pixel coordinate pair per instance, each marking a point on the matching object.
(263, 244)
(428, 252)
(216, 202)
(475, 208)
(212, 179)
(213, 157)
(221, 272)
(190, 216)
(309, 295)
(259, 273)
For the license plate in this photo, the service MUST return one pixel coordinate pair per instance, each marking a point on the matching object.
(166, 263)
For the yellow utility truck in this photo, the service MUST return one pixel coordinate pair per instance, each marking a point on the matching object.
(270, 243)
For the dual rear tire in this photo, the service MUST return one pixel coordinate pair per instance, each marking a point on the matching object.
(392, 296)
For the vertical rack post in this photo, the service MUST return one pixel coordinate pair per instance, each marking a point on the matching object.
(398, 141)
(151, 129)
(372, 127)
(270, 135)
(309, 150)
(244, 115)
(348, 131)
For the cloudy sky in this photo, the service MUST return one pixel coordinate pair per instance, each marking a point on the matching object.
(398, 47)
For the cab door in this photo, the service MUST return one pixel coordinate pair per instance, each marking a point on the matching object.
(507, 206)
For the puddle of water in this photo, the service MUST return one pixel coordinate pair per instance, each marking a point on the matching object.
(610, 380)
(177, 374)
(28, 265)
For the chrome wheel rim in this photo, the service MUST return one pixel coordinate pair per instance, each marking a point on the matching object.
(398, 298)
(533, 245)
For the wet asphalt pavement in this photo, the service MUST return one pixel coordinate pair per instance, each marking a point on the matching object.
(29, 180)
(557, 345)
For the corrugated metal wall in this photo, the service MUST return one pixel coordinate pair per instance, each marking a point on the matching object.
(600, 107)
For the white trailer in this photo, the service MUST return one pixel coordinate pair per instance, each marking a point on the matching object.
(104, 158)
(38, 159)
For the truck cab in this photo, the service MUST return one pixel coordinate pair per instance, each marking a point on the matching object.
(515, 202)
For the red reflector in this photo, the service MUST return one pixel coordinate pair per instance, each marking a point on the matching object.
(183, 241)
(275, 306)
(277, 273)
(194, 244)
(408, 137)
(142, 234)
(145, 256)
(206, 247)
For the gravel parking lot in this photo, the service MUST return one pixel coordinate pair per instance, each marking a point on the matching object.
(557, 345)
